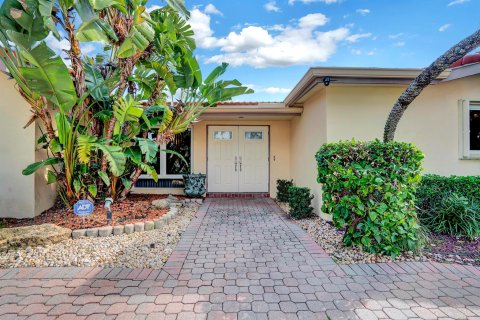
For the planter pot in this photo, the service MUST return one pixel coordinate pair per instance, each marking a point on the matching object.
(195, 185)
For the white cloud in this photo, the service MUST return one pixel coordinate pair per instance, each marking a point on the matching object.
(444, 27)
(363, 12)
(275, 90)
(211, 9)
(56, 45)
(272, 6)
(268, 90)
(356, 37)
(291, 2)
(455, 2)
(312, 21)
(399, 44)
(300, 42)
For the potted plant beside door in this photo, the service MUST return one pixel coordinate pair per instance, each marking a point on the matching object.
(195, 184)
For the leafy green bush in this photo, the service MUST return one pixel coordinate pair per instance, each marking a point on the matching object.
(454, 215)
(369, 188)
(432, 189)
(299, 201)
(282, 189)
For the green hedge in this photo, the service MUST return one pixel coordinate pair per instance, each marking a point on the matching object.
(450, 205)
(299, 200)
(282, 189)
(433, 187)
(369, 188)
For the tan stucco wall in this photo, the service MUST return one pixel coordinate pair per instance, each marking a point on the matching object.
(308, 133)
(16, 152)
(343, 112)
(279, 147)
(431, 122)
(20, 196)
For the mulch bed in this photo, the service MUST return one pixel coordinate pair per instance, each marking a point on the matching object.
(136, 208)
(454, 249)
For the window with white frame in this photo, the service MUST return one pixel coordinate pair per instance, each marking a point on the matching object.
(470, 129)
(170, 165)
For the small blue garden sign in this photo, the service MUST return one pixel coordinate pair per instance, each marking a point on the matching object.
(83, 208)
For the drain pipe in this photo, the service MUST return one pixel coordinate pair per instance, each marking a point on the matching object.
(108, 202)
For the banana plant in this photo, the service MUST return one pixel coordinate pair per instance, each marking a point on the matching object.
(99, 110)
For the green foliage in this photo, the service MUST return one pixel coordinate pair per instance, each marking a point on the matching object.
(369, 189)
(106, 106)
(454, 215)
(299, 200)
(449, 205)
(282, 189)
(432, 189)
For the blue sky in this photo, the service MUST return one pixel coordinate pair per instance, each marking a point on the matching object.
(271, 44)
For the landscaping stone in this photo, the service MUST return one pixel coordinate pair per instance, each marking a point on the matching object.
(118, 230)
(149, 225)
(129, 228)
(159, 223)
(93, 232)
(105, 231)
(32, 236)
(79, 233)
(161, 204)
(136, 250)
(139, 227)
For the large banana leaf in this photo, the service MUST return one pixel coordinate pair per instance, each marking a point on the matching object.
(140, 36)
(114, 154)
(115, 157)
(189, 75)
(47, 73)
(179, 5)
(93, 28)
(127, 109)
(95, 82)
(37, 165)
(149, 148)
(32, 18)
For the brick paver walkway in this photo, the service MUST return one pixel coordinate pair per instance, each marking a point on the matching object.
(242, 259)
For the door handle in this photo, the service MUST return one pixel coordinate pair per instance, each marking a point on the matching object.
(240, 163)
(235, 163)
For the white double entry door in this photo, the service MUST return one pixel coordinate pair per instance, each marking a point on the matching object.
(238, 159)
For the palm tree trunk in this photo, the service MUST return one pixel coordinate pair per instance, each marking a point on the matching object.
(424, 79)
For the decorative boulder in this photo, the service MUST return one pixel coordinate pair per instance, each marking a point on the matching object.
(161, 204)
(32, 236)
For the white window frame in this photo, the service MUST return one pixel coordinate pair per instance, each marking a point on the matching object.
(465, 106)
(163, 162)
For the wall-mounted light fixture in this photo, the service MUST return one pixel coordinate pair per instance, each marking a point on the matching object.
(326, 81)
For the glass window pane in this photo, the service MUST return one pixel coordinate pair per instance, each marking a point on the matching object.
(181, 144)
(223, 135)
(474, 129)
(254, 135)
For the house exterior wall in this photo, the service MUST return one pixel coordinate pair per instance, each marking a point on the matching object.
(20, 196)
(431, 122)
(279, 147)
(308, 133)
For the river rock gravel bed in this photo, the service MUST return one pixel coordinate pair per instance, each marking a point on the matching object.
(149, 249)
(330, 239)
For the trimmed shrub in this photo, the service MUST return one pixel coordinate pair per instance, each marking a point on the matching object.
(432, 189)
(300, 201)
(282, 189)
(454, 215)
(369, 189)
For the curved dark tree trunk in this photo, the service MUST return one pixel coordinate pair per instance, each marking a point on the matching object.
(425, 78)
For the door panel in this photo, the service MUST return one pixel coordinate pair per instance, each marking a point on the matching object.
(253, 158)
(238, 159)
(222, 150)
